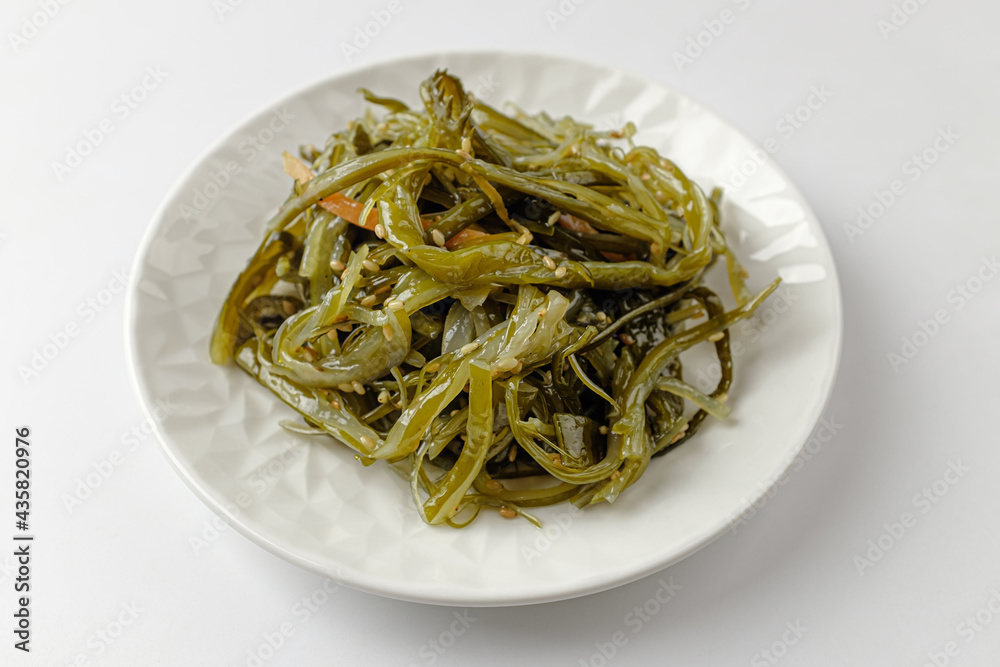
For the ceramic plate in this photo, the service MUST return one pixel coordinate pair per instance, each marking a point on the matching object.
(311, 503)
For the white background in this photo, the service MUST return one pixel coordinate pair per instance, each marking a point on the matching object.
(793, 562)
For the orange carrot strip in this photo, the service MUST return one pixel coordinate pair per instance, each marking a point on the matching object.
(463, 236)
(616, 257)
(349, 210)
(338, 204)
(575, 224)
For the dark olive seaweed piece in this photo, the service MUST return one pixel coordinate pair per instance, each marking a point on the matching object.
(713, 306)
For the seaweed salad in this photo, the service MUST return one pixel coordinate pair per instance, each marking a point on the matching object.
(494, 303)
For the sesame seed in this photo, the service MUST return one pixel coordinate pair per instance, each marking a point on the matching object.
(335, 404)
(369, 300)
(387, 331)
(383, 288)
(394, 304)
(433, 368)
(602, 316)
(549, 263)
(525, 238)
(627, 339)
(603, 430)
(560, 272)
(453, 413)
(383, 396)
(654, 247)
(512, 454)
(543, 312)
(494, 485)
(506, 364)
(357, 386)
(554, 218)
(370, 265)
(646, 176)
(380, 231)
(466, 144)
(722, 398)
(345, 387)
(438, 237)
(676, 438)
(508, 513)
(615, 475)
(288, 307)
(332, 334)
(555, 458)
(337, 265)
(343, 273)
(463, 154)
(469, 347)
(347, 328)
(367, 442)
(715, 337)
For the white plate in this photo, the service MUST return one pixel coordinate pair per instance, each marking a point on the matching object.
(311, 503)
